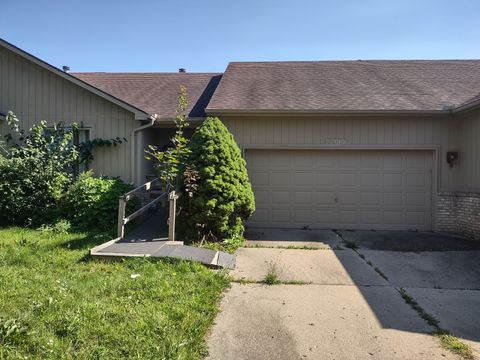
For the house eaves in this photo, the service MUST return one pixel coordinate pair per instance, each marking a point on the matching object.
(322, 112)
(139, 113)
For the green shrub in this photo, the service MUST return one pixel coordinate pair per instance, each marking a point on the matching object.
(35, 172)
(92, 202)
(223, 197)
(29, 190)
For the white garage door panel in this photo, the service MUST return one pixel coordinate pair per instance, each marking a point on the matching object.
(347, 189)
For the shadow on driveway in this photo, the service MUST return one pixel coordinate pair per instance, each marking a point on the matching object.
(409, 241)
(441, 270)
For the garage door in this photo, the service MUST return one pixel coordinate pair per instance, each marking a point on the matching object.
(344, 189)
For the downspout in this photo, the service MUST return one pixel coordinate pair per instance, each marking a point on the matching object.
(152, 119)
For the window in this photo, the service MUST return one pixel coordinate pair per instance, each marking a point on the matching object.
(80, 136)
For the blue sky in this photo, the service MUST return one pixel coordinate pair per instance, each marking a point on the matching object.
(204, 35)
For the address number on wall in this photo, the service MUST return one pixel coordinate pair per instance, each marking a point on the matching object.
(335, 141)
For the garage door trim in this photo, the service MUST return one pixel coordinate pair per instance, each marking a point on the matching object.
(435, 149)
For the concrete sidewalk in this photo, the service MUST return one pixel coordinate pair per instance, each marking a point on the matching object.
(285, 322)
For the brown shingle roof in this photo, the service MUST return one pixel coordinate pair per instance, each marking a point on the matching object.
(157, 93)
(419, 85)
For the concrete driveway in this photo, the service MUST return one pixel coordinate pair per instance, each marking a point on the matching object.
(338, 303)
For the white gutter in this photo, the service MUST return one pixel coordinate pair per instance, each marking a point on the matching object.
(152, 119)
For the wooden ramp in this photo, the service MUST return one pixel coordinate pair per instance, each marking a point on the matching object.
(155, 226)
(150, 239)
(162, 248)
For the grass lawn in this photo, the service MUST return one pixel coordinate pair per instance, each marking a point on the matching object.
(56, 303)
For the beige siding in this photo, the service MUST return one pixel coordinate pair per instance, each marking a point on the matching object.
(469, 151)
(35, 94)
(353, 132)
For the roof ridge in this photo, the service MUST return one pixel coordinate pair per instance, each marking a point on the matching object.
(352, 61)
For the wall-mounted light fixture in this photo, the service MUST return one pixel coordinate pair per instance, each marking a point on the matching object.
(452, 157)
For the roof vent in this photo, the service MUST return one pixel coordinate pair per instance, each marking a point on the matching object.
(182, 70)
(66, 68)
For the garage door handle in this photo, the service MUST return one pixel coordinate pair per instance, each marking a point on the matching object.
(335, 199)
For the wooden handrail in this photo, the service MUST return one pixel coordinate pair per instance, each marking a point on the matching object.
(122, 204)
(144, 208)
(147, 186)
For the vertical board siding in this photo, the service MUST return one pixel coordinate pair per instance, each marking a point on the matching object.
(469, 151)
(35, 94)
(435, 132)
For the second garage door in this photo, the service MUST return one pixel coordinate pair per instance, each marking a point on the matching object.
(344, 189)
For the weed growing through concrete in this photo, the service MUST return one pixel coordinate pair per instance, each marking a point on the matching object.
(447, 340)
(414, 305)
(245, 281)
(453, 344)
(272, 278)
(351, 244)
(295, 282)
(379, 272)
(290, 247)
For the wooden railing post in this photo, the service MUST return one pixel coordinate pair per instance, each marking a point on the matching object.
(172, 214)
(121, 216)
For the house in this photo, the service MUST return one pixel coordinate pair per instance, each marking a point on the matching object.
(328, 144)
(35, 90)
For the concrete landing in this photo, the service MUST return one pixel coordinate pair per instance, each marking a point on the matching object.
(118, 248)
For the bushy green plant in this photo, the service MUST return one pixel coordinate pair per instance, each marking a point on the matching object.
(36, 168)
(34, 175)
(29, 190)
(61, 226)
(92, 202)
(223, 198)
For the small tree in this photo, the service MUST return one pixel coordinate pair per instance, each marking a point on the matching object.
(171, 162)
(222, 198)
